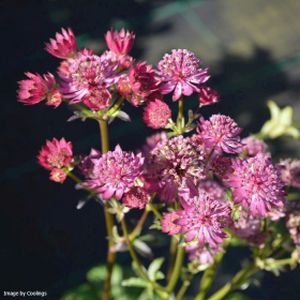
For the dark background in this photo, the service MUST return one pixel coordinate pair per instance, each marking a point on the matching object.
(252, 49)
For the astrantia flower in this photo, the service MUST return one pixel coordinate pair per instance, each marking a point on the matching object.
(37, 88)
(156, 114)
(64, 45)
(293, 221)
(151, 143)
(174, 163)
(86, 164)
(253, 146)
(256, 185)
(168, 224)
(139, 85)
(180, 73)
(203, 219)
(220, 134)
(115, 173)
(203, 255)
(55, 154)
(87, 78)
(208, 96)
(249, 228)
(137, 197)
(58, 175)
(119, 42)
(290, 172)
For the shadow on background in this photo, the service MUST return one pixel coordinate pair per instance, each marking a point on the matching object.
(46, 243)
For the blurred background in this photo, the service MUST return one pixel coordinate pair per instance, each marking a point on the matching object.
(253, 51)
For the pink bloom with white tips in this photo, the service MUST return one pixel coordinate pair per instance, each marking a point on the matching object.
(256, 185)
(220, 134)
(37, 88)
(64, 45)
(208, 96)
(56, 154)
(114, 173)
(168, 224)
(58, 175)
(180, 73)
(156, 114)
(137, 197)
(87, 79)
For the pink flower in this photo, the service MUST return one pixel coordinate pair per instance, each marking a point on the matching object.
(290, 172)
(86, 164)
(180, 73)
(203, 219)
(55, 154)
(137, 197)
(151, 143)
(202, 254)
(256, 185)
(37, 88)
(156, 114)
(249, 228)
(175, 163)
(253, 146)
(139, 85)
(293, 221)
(220, 134)
(114, 173)
(64, 45)
(208, 96)
(58, 175)
(119, 42)
(86, 79)
(168, 224)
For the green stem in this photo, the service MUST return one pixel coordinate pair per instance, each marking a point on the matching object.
(152, 208)
(176, 270)
(139, 226)
(109, 221)
(237, 281)
(173, 249)
(183, 289)
(180, 115)
(208, 278)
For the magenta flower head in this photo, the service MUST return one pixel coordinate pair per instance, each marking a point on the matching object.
(137, 197)
(253, 146)
(119, 42)
(180, 73)
(290, 172)
(64, 45)
(54, 156)
(168, 224)
(203, 219)
(86, 79)
(115, 173)
(256, 185)
(156, 114)
(37, 88)
(220, 134)
(175, 163)
(208, 96)
(139, 85)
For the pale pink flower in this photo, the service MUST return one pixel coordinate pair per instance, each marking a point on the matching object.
(174, 163)
(56, 154)
(137, 197)
(290, 172)
(87, 78)
(256, 185)
(139, 85)
(114, 173)
(180, 73)
(203, 255)
(168, 224)
(58, 175)
(151, 143)
(119, 42)
(37, 88)
(64, 45)
(253, 146)
(220, 134)
(208, 96)
(156, 114)
(293, 221)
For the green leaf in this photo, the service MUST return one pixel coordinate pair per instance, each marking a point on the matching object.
(154, 267)
(135, 282)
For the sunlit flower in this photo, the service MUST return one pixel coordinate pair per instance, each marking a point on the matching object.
(114, 173)
(208, 96)
(156, 114)
(180, 73)
(168, 224)
(256, 185)
(64, 45)
(55, 154)
(220, 133)
(290, 172)
(137, 197)
(58, 175)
